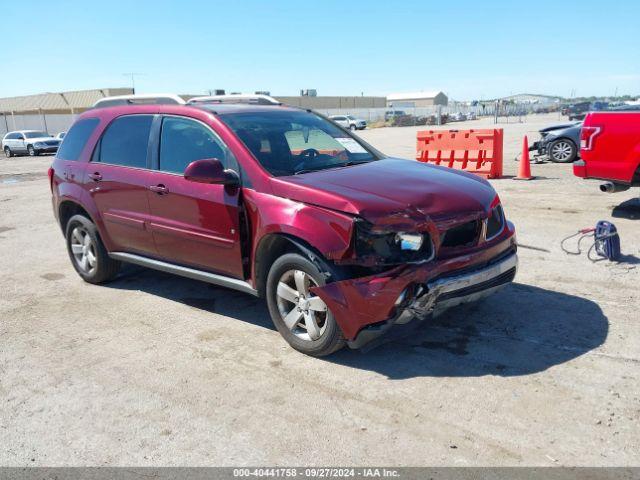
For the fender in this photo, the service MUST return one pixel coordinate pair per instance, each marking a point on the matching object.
(77, 195)
(320, 233)
(327, 231)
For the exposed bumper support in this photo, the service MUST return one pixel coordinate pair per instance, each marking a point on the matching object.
(437, 295)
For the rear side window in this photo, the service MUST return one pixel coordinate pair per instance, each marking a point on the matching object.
(182, 141)
(126, 141)
(77, 138)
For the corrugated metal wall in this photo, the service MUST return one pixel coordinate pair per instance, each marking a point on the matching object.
(52, 123)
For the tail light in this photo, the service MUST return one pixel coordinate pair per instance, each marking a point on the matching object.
(587, 136)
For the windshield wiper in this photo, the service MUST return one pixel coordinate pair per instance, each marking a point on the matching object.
(354, 162)
(328, 167)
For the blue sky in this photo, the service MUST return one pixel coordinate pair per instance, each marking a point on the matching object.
(469, 49)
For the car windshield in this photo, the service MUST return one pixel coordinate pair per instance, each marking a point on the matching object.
(36, 134)
(289, 142)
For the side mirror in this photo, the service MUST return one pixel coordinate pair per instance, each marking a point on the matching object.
(210, 170)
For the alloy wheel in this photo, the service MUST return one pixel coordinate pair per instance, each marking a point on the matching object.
(304, 313)
(561, 151)
(83, 250)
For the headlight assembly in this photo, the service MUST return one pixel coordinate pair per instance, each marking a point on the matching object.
(410, 241)
(391, 248)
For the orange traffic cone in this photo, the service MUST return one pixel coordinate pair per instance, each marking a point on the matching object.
(524, 171)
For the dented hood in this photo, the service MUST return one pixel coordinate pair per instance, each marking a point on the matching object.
(390, 187)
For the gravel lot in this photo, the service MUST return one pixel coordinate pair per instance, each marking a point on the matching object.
(158, 370)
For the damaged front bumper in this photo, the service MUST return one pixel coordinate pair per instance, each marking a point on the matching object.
(436, 296)
(365, 308)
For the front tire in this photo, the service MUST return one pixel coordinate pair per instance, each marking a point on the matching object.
(562, 150)
(32, 151)
(352, 127)
(87, 253)
(301, 317)
(7, 152)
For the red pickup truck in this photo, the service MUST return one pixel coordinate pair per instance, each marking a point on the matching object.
(610, 150)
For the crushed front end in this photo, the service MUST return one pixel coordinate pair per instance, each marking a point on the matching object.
(458, 259)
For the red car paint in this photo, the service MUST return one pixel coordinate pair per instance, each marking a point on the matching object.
(164, 216)
(610, 148)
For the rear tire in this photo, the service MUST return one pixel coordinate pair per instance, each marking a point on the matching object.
(7, 152)
(562, 150)
(300, 316)
(87, 252)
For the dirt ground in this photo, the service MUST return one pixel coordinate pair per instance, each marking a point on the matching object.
(158, 370)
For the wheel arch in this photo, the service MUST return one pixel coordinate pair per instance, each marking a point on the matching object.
(274, 245)
(69, 208)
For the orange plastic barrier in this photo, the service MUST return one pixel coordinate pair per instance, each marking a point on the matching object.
(474, 151)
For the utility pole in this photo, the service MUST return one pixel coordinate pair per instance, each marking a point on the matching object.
(133, 76)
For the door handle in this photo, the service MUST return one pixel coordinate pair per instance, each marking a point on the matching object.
(96, 177)
(159, 189)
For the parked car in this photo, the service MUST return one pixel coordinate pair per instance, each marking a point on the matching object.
(457, 117)
(61, 135)
(390, 115)
(343, 241)
(610, 149)
(577, 111)
(559, 142)
(349, 121)
(29, 142)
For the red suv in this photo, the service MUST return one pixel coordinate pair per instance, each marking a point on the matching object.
(282, 203)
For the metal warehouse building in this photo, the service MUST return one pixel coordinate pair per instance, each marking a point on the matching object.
(55, 112)
(328, 102)
(417, 99)
(51, 112)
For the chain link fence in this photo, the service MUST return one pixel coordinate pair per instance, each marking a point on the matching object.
(397, 116)
(400, 116)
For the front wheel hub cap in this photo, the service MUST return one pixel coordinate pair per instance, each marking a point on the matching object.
(303, 313)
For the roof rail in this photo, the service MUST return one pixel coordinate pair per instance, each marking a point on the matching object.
(144, 99)
(250, 98)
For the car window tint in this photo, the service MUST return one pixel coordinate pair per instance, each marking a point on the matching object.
(126, 140)
(182, 141)
(75, 141)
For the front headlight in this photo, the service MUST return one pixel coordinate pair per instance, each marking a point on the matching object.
(391, 248)
(39, 144)
(410, 241)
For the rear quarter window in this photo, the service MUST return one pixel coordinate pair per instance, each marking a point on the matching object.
(125, 141)
(76, 139)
